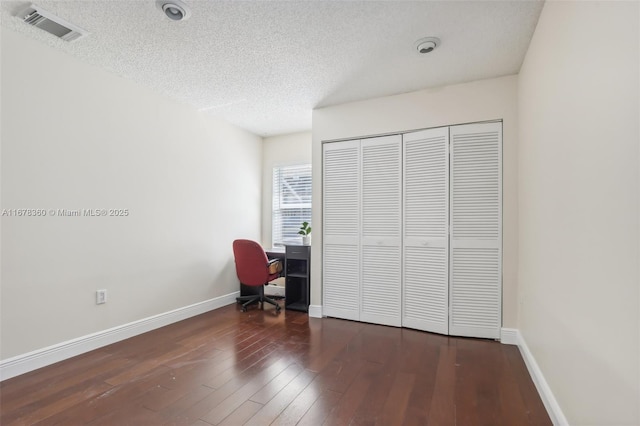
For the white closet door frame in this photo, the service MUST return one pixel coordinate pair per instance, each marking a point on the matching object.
(475, 268)
(341, 238)
(425, 296)
(381, 230)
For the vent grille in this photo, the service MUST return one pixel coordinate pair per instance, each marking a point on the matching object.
(40, 18)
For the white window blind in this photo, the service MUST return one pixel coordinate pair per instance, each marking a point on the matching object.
(291, 202)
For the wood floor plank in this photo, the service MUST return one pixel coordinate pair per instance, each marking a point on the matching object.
(419, 405)
(269, 390)
(513, 408)
(40, 410)
(201, 423)
(322, 383)
(197, 370)
(477, 373)
(41, 378)
(487, 375)
(244, 393)
(133, 416)
(195, 396)
(142, 368)
(241, 414)
(321, 409)
(229, 370)
(536, 412)
(369, 411)
(332, 342)
(350, 401)
(395, 407)
(271, 410)
(268, 366)
(114, 398)
(442, 410)
(421, 359)
(44, 389)
(299, 406)
(232, 368)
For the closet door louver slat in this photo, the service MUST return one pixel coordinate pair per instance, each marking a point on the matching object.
(476, 232)
(381, 230)
(426, 201)
(341, 225)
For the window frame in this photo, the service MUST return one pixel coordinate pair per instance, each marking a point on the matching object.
(282, 233)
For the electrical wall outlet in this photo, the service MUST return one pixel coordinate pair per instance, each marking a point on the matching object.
(101, 296)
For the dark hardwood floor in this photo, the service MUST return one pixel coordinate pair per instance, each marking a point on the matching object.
(232, 368)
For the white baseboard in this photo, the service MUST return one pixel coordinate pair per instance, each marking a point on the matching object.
(509, 336)
(549, 401)
(30, 361)
(315, 311)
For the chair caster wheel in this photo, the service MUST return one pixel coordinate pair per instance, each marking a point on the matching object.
(243, 309)
(278, 308)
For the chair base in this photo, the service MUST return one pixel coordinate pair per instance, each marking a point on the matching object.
(260, 298)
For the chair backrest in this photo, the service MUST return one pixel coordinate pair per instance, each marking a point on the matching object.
(251, 262)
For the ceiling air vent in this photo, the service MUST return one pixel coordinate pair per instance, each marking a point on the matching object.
(38, 17)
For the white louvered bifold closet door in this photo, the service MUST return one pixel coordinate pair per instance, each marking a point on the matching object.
(381, 276)
(426, 239)
(476, 230)
(341, 229)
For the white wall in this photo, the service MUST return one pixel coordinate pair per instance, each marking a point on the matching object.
(74, 137)
(579, 192)
(462, 103)
(283, 150)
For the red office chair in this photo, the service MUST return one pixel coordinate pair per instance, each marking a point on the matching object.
(252, 267)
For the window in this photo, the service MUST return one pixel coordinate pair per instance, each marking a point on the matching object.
(291, 202)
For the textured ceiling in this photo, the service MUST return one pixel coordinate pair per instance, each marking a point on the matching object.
(264, 65)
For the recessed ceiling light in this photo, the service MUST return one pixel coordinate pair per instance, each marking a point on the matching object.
(427, 44)
(175, 10)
